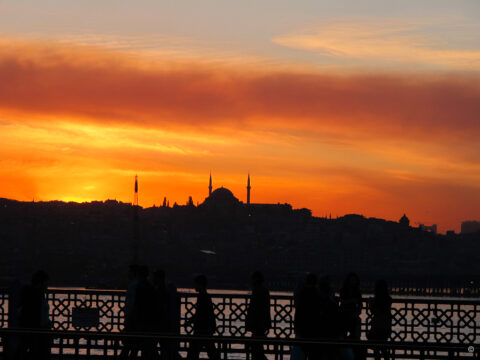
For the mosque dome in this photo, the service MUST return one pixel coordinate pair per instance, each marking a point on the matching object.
(223, 194)
(221, 197)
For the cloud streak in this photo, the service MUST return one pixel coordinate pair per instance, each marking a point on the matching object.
(86, 120)
(392, 42)
(106, 87)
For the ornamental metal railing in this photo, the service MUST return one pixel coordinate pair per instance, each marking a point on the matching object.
(422, 320)
(105, 345)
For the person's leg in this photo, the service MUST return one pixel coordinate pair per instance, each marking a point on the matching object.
(258, 352)
(45, 346)
(127, 349)
(149, 350)
(193, 351)
(212, 351)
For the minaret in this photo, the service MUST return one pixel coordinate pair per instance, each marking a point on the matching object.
(248, 189)
(135, 195)
(210, 185)
(136, 226)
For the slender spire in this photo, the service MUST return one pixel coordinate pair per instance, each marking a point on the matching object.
(135, 195)
(136, 227)
(210, 185)
(248, 189)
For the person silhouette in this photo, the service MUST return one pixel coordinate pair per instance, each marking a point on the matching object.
(162, 298)
(307, 314)
(128, 345)
(329, 319)
(258, 319)
(145, 313)
(174, 315)
(11, 343)
(350, 308)
(203, 322)
(163, 316)
(381, 324)
(34, 314)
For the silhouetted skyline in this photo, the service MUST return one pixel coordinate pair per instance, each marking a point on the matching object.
(347, 107)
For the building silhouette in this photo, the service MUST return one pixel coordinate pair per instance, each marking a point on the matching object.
(470, 226)
(224, 237)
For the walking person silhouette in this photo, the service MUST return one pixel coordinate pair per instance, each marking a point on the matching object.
(128, 345)
(350, 308)
(258, 319)
(144, 314)
(381, 310)
(163, 315)
(34, 314)
(307, 315)
(203, 322)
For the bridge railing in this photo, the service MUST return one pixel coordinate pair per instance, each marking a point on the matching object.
(105, 345)
(422, 320)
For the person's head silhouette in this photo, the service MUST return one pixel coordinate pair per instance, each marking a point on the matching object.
(324, 286)
(159, 278)
(143, 272)
(257, 279)
(133, 271)
(352, 282)
(381, 288)
(200, 282)
(311, 279)
(40, 280)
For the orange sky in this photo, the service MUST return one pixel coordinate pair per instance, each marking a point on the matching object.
(78, 122)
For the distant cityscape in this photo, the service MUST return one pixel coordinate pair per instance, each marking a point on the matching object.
(93, 243)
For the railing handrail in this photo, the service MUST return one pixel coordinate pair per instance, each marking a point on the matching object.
(214, 294)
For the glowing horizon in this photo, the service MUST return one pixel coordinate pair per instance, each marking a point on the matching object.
(340, 109)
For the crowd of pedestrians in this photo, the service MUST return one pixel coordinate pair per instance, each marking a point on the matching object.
(153, 306)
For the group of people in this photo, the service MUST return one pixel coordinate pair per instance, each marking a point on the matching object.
(29, 309)
(150, 306)
(153, 306)
(319, 314)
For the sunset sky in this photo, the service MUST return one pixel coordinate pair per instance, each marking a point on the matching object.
(368, 107)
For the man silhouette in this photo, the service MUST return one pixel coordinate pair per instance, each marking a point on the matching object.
(307, 314)
(258, 319)
(128, 345)
(34, 314)
(145, 313)
(381, 325)
(203, 322)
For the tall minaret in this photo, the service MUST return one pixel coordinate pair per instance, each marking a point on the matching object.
(248, 189)
(210, 185)
(136, 226)
(135, 194)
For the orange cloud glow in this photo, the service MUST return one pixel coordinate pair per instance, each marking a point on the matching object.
(77, 123)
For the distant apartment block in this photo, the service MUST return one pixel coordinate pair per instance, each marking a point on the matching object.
(470, 226)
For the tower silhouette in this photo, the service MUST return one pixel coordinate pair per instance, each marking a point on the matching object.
(136, 227)
(210, 185)
(248, 189)
(135, 194)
